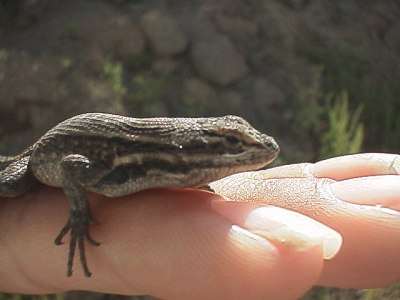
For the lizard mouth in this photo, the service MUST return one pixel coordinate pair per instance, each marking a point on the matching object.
(260, 155)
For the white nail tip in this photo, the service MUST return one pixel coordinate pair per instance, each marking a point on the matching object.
(296, 231)
(395, 164)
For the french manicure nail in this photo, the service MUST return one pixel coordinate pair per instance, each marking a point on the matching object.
(395, 164)
(295, 230)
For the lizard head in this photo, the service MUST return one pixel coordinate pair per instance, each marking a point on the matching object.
(196, 151)
(231, 140)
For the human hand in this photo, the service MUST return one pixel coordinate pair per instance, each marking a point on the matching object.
(361, 201)
(173, 244)
(166, 243)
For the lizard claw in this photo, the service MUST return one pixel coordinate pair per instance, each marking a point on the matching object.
(58, 240)
(79, 228)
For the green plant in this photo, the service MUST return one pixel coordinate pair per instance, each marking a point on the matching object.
(381, 114)
(140, 62)
(114, 71)
(345, 133)
(346, 68)
(68, 32)
(3, 54)
(66, 62)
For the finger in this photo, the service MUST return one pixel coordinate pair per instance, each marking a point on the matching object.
(167, 243)
(371, 239)
(383, 191)
(358, 165)
(338, 168)
(296, 231)
(301, 170)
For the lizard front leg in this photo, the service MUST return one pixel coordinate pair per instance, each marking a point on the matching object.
(78, 173)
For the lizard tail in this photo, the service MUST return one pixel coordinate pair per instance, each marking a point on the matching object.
(5, 161)
(16, 176)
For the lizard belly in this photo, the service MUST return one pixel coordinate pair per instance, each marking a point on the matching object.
(48, 173)
(46, 168)
(159, 179)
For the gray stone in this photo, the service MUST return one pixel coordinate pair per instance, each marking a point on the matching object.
(236, 25)
(165, 65)
(198, 91)
(117, 35)
(296, 4)
(265, 93)
(164, 34)
(392, 37)
(233, 99)
(28, 79)
(217, 60)
(36, 86)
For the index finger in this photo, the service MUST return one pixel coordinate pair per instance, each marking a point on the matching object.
(337, 168)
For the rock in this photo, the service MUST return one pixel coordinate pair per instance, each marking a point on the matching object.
(23, 14)
(280, 32)
(117, 36)
(165, 65)
(239, 8)
(236, 25)
(25, 78)
(234, 101)
(392, 37)
(164, 34)
(217, 60)
(96, 58)
(198, 91)
(29, 86)
(266, 93)
(296, 4)
(42, 92)
(101, 97)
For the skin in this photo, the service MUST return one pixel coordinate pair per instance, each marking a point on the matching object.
(178, 244)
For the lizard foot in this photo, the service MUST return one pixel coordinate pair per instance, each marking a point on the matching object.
(78, 225)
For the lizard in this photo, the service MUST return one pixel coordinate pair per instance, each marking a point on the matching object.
(115, 155)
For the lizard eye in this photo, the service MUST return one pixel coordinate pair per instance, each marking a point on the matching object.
(232, 140)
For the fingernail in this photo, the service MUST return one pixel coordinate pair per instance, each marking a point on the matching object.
(395, 164)
(295, 230)
(246, 238)
(380, 191)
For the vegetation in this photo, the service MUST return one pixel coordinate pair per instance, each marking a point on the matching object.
(345, 69)
(115, 73)
(345, 132)
(3, 54)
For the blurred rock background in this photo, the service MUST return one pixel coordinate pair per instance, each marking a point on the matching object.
(321, 76)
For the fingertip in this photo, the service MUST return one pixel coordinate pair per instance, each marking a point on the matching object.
(291, 229)
(382, 191)
(357, 165)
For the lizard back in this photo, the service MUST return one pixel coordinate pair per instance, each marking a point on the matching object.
(138, 154)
